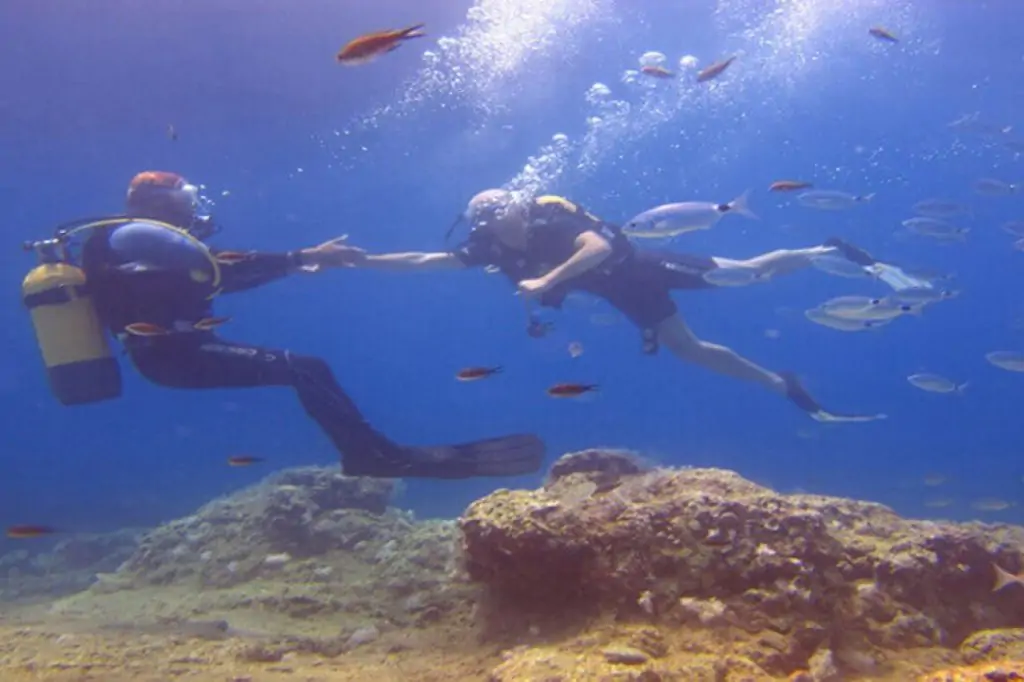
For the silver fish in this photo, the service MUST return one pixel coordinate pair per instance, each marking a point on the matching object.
(929, 275)
(922, 296)
(826, 417)
(991, 187)
(991, 504)
(1014, 227)
(867, 308)
(937, 208)
(933, 227)
(669, 220)
(832, 200)
(935, 383)
(842, 267)
(1010, 360)
(735, 277)
(898, 278)
(819, 316)
(972, 123)
(1015, 146)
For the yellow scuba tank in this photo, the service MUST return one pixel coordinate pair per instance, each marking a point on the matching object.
(79, 363)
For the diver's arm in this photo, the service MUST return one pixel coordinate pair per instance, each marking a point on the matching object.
(591, 250)
(255, 269)
(412, 262)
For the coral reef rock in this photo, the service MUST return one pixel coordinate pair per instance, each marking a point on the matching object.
(304, 543)
(800, 584)
(70, 565)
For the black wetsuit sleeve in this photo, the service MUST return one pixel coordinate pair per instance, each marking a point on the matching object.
(254, 270)
(474, 252)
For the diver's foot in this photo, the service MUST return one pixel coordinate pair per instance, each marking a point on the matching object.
(798, 395)
(850, 252)
(505, 456)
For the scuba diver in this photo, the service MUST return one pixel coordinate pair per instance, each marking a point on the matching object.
(149, 278)
(549, 246)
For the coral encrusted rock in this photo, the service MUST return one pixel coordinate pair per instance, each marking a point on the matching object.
(707, 548)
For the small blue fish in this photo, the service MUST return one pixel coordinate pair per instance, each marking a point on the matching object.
(1014, 227)
(670, 220)
(939, 208)
(820, 316)
(935, 228)
(922, 295)
(832, 200)
(1011, 361)
(996, 188)
(935, 383)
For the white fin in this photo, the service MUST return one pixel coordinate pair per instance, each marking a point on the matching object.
(961, 387)
(897, 279)
(866, 197)
(828, 417)
(740, 205)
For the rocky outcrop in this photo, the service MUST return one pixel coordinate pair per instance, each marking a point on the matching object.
(315, 542)
(813, 583)
(70, 565)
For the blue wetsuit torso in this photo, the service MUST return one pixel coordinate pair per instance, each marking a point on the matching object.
(167, 284)
(140, 273)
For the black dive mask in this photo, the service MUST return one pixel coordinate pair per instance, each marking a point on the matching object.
(479, 217)
(203, 227)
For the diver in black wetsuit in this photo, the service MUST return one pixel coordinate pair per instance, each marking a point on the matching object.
(153, 278)
(549, 246)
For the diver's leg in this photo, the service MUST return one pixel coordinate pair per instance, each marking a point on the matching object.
(779, 262)
(213, 363)
(785, 261)
(677, 337)
(643, 294)
(674, 334)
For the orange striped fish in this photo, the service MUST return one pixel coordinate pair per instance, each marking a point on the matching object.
(27, 531)
(883, 34)
(715, 69)
(788, 185)
(369, 46)
(570, 390)
(475, 373)
(657, 72)
(146, 329)
(243, 460)
(208, 323)
(231, 257)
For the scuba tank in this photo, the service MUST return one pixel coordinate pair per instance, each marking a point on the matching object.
(72, 338)
(80, 365)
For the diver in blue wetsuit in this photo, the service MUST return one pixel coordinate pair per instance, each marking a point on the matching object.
(548, 246)
(152, 279)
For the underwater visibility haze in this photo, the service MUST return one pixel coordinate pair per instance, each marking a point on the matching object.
(891, 126)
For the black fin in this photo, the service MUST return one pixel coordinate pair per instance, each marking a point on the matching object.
(850, 252)
(503, 456)
(798, 395)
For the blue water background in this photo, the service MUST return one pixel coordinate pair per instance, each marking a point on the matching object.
(89, 88)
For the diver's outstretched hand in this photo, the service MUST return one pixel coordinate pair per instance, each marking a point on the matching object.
(332, 254)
